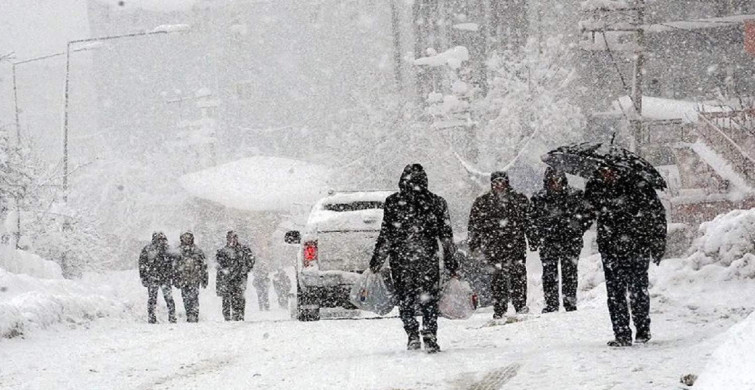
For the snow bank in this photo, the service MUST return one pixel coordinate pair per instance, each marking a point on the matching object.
(21, 262)
(730, 366)
(259, 183)
(28, 303)
(727, 241)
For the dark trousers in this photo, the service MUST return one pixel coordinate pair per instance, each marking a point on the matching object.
(282, 298)
(569, 280)
(190, 296)
(152, 301)
(509, 282)
(234, 302)
(413, 296)
(622, 276)
(263, 298)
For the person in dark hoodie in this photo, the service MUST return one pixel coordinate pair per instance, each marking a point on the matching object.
(156, 272)
(414, 221)
(631, 234)
(561, 217)
(498, 224)
(235, 261)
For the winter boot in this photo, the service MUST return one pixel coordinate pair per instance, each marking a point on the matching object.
(620, 342)
(431, 342)
(523, 310)
(414, 344)
(549, 309)
(642, 337)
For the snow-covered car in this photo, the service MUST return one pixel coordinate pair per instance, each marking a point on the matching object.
(336, 246)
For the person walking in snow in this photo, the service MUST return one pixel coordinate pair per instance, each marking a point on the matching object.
(261, 283)
(561, 217)
(282, 286)
(156, 273)
(631, 234)
(191, 273)
(498, 225)
(235, 261)
(414, 221)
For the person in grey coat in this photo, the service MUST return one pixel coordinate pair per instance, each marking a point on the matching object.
(191, 273)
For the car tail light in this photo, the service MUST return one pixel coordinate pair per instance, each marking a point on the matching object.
(310, 253)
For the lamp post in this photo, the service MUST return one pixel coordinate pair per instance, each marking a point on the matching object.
(163, 29)
(15, 84)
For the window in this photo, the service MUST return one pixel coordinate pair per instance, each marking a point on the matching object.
(353, 206)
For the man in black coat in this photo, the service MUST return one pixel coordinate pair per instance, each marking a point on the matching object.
(414, 221)
(631, 233)
(561, 217)
(235, 261)
(498, 224)
(191, 273)
(156, 273)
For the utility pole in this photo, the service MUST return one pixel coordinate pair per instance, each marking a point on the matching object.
(639, 62)
(396, 27)
(612, 17)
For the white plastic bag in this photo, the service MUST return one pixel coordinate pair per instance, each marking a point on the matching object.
(457, 300)
(373, 292)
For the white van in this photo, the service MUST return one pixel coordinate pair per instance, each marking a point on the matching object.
(335, 246)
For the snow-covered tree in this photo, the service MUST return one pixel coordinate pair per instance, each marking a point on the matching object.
(528, 109)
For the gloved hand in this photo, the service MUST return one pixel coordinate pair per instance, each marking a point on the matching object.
(375, 270)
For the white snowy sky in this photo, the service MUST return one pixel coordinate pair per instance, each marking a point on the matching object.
(32, 28)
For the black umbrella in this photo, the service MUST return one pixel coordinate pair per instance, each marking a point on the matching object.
(584, 160)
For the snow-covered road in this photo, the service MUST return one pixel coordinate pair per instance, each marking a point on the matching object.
(556, 351)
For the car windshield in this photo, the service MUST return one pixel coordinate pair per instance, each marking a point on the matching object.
(353, 206)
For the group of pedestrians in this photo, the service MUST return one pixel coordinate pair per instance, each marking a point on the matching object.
(631, 226)
(161, 268)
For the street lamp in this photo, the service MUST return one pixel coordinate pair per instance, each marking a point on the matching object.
(162, 29)
(15, 85)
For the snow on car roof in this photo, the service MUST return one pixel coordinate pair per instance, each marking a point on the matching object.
(259, 183)
(356, 196)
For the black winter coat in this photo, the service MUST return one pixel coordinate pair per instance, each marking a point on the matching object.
(498, 225)
(156, 266)
(414, 221)
(234, 265)
(191, 267)
(631, 219)
(561, 219)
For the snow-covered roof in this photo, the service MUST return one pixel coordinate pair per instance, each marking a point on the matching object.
(259, 183)
(452, 57)
(699, 24)
(665, 109)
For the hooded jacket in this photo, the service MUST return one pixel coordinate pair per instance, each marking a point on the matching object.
(155, 263)
(561, 217)
(499, 223)
(191, 264)
(414, 221)
(631, 219)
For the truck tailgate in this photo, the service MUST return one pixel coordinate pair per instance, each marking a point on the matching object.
(346, 250)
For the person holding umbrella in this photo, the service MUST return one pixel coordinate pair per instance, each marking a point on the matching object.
(631, 227)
